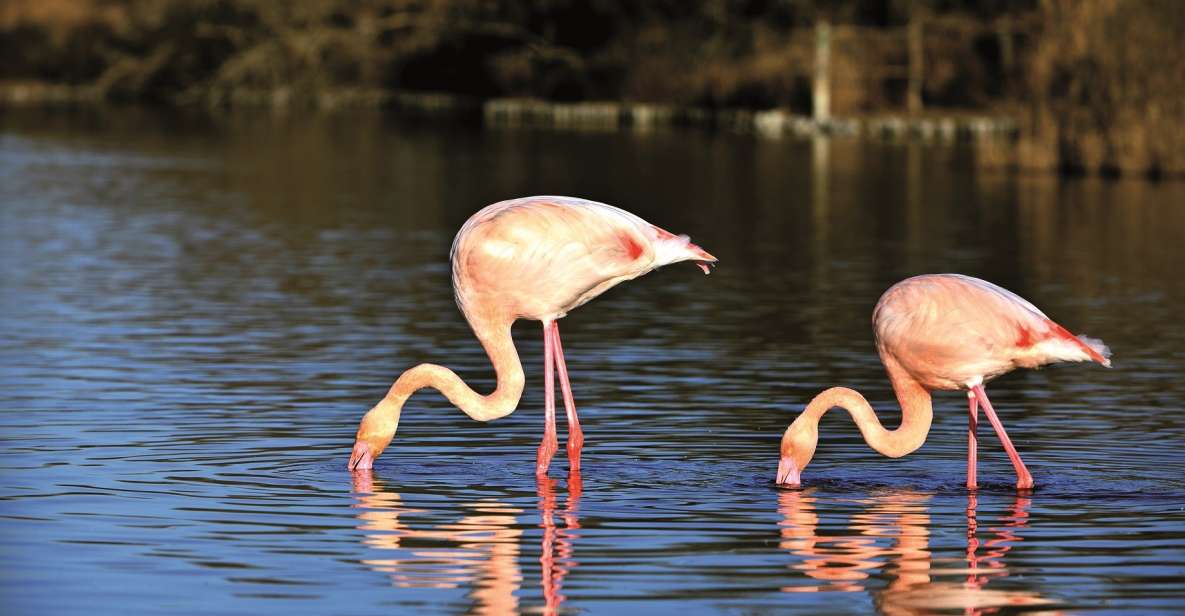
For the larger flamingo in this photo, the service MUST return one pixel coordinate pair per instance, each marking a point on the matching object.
(530, 258)
(942, 331)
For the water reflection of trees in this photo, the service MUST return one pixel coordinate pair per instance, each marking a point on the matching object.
(481, 550)
(892, 532)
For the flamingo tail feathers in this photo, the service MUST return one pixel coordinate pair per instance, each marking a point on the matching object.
(1095, 348)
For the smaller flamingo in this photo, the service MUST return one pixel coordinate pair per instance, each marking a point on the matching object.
(947, 332)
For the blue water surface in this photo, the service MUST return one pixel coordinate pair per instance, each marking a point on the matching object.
(195, 313)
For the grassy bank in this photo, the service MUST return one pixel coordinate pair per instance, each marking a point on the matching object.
(1108, 89)
(1089, 82)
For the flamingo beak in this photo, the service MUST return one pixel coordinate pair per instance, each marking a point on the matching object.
(361, 458)
(788, 474)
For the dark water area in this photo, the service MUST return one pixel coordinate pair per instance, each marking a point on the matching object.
(194, 314)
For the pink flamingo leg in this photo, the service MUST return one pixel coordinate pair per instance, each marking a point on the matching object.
(575, 434)
(1023, 479)
(550, 443)
(972, 445)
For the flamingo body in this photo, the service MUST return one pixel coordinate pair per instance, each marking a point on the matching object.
(950, 331)
(531, 258)
(541, 257)
(942, 332)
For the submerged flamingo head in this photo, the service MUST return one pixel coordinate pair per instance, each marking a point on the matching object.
(788, 474)
(361, 458)
(374, 434)
(798, 447)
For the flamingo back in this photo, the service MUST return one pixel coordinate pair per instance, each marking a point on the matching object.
(950, 330)
(540, 257)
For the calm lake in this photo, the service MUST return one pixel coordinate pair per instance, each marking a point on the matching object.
(195, 313)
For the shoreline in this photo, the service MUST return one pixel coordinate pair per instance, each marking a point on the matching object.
(538, 113)
(1000, 140)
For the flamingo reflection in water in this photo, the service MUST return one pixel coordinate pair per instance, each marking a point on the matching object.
(555, 555)
(481, 549)
(894, 530)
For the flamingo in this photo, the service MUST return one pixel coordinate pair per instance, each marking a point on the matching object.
(534, 258)
(945, 332)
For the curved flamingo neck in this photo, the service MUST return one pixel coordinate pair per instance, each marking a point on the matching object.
(499, 346)
(917, 414)
(381, 422)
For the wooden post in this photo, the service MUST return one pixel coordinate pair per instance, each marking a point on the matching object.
(1007, 55)
(821, 91)
(914, 101)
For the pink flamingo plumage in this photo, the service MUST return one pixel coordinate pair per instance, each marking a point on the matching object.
(530, 258)
(946, 332)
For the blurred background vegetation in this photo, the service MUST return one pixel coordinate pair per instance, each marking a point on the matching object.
(1095, 84)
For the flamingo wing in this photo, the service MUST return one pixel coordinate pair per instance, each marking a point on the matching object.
(951, 330)
(539, 257)
(1037, 339)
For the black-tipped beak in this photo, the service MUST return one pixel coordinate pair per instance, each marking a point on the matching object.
(788, 474)
(361, 458)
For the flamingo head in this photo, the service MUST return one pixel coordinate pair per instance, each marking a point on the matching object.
(788, 474)
(361, 458)
(374, 434)
(798, 447)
